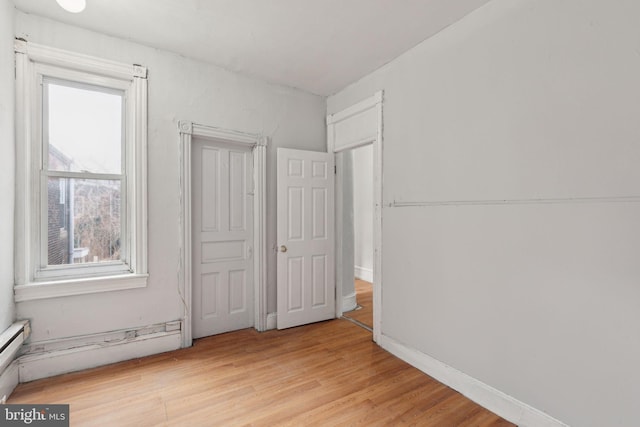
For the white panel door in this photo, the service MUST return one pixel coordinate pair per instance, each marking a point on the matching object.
(222, 224)
(306, 276)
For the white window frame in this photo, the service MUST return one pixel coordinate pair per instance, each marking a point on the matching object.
(33, 279)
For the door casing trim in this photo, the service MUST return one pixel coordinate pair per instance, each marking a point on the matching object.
(258, 145)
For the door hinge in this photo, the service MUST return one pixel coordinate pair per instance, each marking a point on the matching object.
(335, 169)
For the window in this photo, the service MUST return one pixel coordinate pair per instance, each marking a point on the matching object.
(81, 181)
(82, 128)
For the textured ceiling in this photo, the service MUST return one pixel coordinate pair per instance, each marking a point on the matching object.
(319, 46)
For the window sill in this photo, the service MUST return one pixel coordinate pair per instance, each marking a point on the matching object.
(91, 285)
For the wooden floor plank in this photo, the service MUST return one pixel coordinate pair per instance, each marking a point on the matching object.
(328, 373)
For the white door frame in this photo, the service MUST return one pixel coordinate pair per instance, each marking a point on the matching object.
(258, 145)
(353, 127)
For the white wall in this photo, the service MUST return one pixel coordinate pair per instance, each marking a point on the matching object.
(179, 89)
(363, 211)
(7, 163)
(506, 124)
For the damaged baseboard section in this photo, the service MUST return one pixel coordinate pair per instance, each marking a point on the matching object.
(48, 358)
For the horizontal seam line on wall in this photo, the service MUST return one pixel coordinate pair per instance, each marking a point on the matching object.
(572, 200)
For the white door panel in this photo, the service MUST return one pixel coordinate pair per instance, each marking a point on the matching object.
(222, 235)
(306, 285)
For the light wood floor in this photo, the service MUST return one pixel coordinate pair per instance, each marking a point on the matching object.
(364, 298)
(325, 374)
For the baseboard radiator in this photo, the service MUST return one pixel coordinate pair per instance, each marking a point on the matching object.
(11, 341)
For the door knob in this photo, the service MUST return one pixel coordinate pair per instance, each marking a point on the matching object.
(283, 248)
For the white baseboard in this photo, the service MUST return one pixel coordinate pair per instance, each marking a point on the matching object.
(9, 380)
(349, 302)
(363, 273)
(486, 396)
(272, 321)
(57, 357)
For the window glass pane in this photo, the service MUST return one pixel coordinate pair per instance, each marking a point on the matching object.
(83, 220)
(84, 128)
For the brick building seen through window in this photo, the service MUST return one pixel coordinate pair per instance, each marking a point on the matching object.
(83, 217)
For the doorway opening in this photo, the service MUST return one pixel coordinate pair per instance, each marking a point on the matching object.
(357, 170)
(357, 126)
